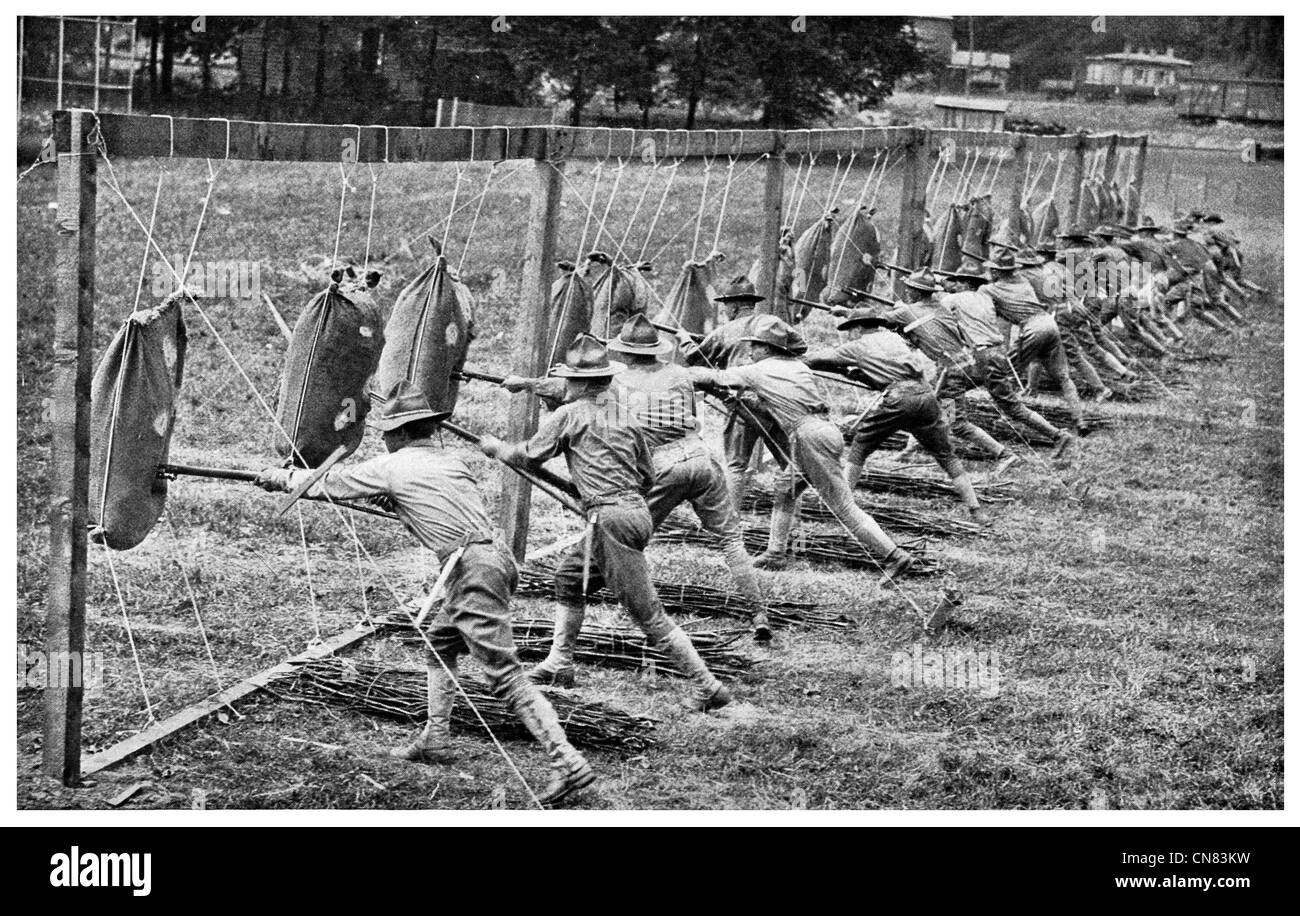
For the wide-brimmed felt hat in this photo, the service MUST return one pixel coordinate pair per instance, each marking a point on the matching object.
(1212, 217)
(969, 270)
(600, 257)
(1027, 257)
(1075, 233)
(587, 358)
(741, 289)
(1106, 231)
(640, 338)
(1003, 260)
(403, 403)
(1182, 227)
(922, 280)
(1046, 246)
(1148, 225)
(873, 317)
(770, 330)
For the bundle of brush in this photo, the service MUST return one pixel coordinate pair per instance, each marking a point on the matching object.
(537, 580)
(608, 646)
(826, 546)
(1154, 381)
(401, 693)
(985, 414)
(891, 517)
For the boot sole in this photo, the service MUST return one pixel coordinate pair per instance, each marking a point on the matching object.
(559, 797)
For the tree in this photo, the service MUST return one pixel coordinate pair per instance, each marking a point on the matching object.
(636, 55)
(571, 55)
(795, 68)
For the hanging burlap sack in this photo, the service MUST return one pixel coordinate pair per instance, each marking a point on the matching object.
(1047, 222)
(812, 258)
(132, 412)
(690, 302)
(854, 252)
(979, 226)
(947, 239)
(570, 310)
(427, 337)
(332, 355)
(1090, 216)
(617, 293)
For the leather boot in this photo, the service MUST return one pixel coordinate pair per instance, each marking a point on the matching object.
(779, 535)
(742, 571)
(570, 771)
(707, 691)
(433, 745)
(1063, 447)
(896, 566)
(558, 669)
(966, 490)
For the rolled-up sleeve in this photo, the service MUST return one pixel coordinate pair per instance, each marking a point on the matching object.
(369, 478)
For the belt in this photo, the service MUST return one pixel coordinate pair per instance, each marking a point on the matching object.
(449, 557)
(611, 499)
(458, 546)
(671, 453)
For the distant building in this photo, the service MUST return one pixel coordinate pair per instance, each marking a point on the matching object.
(971, 113)
(933, 33)
(989, 72)
(1134, 74)
(1234, 98)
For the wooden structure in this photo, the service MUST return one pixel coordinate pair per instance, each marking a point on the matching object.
(987, 71)
(1234, 98)
(1133, 74)
(78, 133)
(964, 112)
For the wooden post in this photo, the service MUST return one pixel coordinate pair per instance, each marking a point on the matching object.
(1019, 174)
(1139, 173)
(1076, 179)
(769, 251)
(74, 314)
(911, 204)
(535, 290)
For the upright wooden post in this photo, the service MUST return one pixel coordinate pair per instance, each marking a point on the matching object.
(769, 251)
(1019, 173)
(912, 202)
(535, 291)
(1077, 176)
(74, 315)
(1112, 159)
(1139, 173)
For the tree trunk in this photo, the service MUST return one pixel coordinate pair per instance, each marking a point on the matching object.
(576, 102)
(318, 90)
(696, 83)
(429, 96)
(153, 60)
(645, 117)
(169, 55)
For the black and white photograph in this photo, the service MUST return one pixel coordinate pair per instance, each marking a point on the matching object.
(751, 417)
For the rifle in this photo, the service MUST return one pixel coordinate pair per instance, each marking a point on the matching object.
(553, 485)
(172, 471)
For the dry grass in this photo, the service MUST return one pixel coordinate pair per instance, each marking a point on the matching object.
(1147, 674)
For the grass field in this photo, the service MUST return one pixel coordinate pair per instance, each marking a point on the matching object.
(1132, 601)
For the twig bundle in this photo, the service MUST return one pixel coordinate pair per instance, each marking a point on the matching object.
(813, 546)
(536, 580)
(607, 646)
(401, 693)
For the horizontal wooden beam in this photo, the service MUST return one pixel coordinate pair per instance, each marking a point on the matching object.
(209, 706)
(219, 139)
(216, 138)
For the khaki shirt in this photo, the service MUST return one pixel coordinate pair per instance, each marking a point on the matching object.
(882, 358)
(1014, 299)
(976, 315)
(785, 386)
(603, 446)
(434, 494)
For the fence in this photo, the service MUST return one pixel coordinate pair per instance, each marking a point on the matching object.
(80, 135)
(66, 61)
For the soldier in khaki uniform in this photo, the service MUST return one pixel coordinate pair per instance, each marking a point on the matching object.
(788, 389)
(882, 360)
(436, 497)
(613, 470)
(660, 398)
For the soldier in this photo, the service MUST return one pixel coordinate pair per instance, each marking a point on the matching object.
(1055, 290)
(1014, 290)
(975, 352)
(724, 348)
(1187, 259)
(1116, 285)
(788, 389)
(436, 497)
(1076, 253)
(613, 470)
(882, 360)
(660, 398)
